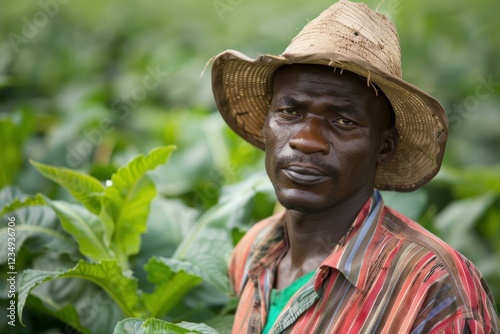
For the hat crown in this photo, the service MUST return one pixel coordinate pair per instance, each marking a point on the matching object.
(353, 30)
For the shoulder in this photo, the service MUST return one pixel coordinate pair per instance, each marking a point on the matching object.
(254, 235)
(412, 235)
(238, 265)
(446, 276)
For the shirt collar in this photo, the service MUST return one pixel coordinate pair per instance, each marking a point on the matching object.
(349, 256)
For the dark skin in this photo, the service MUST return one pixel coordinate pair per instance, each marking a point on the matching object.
(325, 134)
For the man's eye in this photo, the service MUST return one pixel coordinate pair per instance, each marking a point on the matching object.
(289, 112)
(344, 121)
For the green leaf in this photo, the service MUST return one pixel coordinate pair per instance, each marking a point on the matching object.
(126, 176)
(14, 129)
(471, 181)
(168, 222)
(107, 274)
(132, 218)
(228, 212)
(36, 226)
(211, 264)
(209, 243)
(8, 194)
(85, 227)
(96, 310)
(157, 326)
(84, 188)
(127, 200)
(24, 202)
(489, 226)
(173, 279)
(411, 204)
(456, 221)
(463, 213)
(201, 328)
(237, 234)
(66, 313)
(222, 322)
(479, 180)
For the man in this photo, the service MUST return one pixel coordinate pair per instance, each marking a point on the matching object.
(337, 123)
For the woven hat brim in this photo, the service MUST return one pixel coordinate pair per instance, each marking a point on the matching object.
(242, 89)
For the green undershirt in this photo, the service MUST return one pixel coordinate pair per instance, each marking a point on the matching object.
(279, 298)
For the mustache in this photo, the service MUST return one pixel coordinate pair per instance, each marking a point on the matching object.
(314, 160)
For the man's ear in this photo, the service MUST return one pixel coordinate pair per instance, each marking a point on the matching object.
(389, 143)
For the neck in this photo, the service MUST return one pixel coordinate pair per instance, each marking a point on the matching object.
(312, 236)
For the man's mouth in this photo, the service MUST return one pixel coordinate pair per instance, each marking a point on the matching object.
(304, 174)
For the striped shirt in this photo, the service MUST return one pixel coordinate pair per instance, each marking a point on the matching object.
(386, 275)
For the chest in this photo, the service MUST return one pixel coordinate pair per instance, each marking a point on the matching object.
(340, 308)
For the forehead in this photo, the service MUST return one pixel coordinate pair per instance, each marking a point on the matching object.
(314, 77)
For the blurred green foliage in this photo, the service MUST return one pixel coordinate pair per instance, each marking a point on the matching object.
(89, 84)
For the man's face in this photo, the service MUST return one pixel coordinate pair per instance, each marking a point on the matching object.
(324, 135)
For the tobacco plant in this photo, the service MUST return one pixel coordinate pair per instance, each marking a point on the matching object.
(100, 234)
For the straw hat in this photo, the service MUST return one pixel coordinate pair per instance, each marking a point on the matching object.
(347, 36)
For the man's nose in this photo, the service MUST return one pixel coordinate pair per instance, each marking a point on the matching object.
(311, 138)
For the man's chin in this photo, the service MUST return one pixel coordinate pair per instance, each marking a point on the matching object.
(303, 206)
